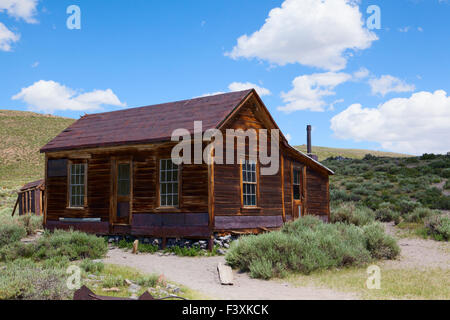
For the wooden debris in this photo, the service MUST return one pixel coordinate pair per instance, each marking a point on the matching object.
(111, 289)
(225, 274)
(135, 246)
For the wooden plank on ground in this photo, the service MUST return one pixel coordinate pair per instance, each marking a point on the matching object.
(225, 274)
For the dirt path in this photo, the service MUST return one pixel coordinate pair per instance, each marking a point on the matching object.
(419, 253)
(200, 274)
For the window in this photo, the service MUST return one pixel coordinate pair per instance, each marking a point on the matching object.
(168, 183)
(123, 179)
(249, 183)
(296, 184)
(77, 185)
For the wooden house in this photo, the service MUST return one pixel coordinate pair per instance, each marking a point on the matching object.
(30, 199)
(112, 173)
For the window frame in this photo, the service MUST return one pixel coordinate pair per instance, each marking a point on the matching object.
(256, 183)
(299, 184)
(179, 168)
(70, 163)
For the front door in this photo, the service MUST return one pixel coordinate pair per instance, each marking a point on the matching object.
(122, 191)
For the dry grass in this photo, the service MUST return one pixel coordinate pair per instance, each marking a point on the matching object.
(325, 152)
(395, 283)
(22, 135)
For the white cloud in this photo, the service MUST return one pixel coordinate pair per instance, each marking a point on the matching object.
(50, 96)
(331, 107)
(415, 125)
(361, 73)
(387, 83)
(239, 86)
(7, 38)
(309, 90)
(210, 94)
(35, 64)
(309, 32)
(404, 29)
(288, 137)
(20, 9)
(420, 29)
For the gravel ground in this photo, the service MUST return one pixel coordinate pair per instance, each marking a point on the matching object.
(419, 253)
(200, 274)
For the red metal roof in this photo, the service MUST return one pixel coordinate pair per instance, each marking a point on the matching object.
(145, 124)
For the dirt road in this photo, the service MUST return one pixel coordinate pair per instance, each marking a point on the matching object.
(200, 274)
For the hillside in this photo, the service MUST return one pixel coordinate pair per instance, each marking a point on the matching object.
(22, 135)
(325, 152)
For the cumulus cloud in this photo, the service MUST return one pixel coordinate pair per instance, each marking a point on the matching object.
(361, 73)
(416, 125)
(308, 91)
(7, 38)
(309, 32)
(387, 83)
(20, 9)
(240, 86)
(50, 96)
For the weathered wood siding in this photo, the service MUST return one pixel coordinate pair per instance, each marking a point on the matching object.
(194, 185)
(317, 195)
(228, 210)
(288, 188)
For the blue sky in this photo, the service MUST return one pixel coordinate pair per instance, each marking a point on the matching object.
(141, 52)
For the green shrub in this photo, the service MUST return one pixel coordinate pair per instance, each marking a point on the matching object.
(387, 214)
(143, 247)
(352, 214)
(446, 173)
(112, 281)
(308, 244)
(433, 198)
(379, 244)
(428, 156)
(25, 280)
(56, 263)
(438, 226)
(31, 223)
(447, 185)
(419, 214)
(149, 281)
(339, 195)
(406, 206)
(92, 267)
(10, 233)
(373, 202)
(185, 251)
(16, 250)
(73, 244)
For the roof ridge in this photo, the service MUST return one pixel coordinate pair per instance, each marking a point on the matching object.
(170, 102)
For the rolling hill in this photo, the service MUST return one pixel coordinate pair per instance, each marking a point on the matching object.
(22, 134)
(326, 152)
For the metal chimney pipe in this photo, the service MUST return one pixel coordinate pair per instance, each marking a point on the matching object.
(308, 134)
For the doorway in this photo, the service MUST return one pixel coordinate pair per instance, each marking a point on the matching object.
(122, 191)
